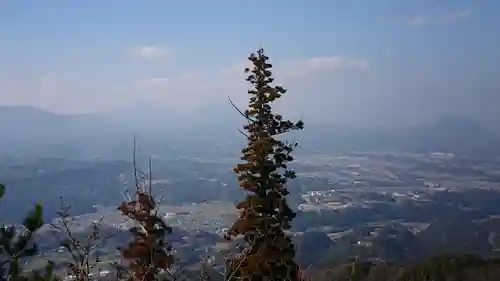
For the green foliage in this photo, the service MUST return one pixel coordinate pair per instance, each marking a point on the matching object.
(46, 276)
(17, 243)
(265, 214)
(440, 268)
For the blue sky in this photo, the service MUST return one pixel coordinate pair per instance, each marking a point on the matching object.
(348, 61)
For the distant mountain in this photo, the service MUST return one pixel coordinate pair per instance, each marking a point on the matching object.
(30, 130)
(451, 134)
(22, 118)
(26, 120)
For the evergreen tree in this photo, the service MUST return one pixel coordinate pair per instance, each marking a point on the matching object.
(17, 243)
(264, 214)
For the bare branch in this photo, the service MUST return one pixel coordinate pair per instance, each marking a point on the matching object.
(239, 111)
(150, 175)
(243, 133)
(134, 163)
(80, 252)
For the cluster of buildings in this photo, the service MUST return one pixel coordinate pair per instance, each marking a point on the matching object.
(328, 199)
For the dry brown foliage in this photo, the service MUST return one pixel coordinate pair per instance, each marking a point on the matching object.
(148, 255)
(264, 214)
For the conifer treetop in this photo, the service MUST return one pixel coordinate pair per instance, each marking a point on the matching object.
(264, 214)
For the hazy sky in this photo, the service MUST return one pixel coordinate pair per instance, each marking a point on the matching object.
(347, 61)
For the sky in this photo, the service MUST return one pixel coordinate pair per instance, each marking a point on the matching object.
(350, 62)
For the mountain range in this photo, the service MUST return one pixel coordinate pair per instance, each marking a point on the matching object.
(28, 130)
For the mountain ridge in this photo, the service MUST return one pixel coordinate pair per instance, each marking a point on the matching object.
(23, 124)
